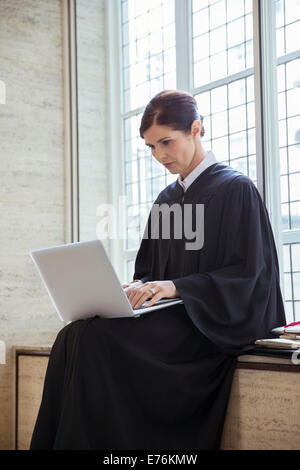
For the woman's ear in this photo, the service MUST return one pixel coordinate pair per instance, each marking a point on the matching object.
(196, 128)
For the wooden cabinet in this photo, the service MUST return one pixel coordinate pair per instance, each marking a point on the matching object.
(263, 410)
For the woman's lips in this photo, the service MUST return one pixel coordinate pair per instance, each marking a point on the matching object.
(168, 164)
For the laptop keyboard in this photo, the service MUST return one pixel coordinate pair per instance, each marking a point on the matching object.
(161, 301)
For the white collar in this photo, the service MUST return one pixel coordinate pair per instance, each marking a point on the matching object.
(209, 160)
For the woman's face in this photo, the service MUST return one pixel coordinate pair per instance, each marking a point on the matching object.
(173, 149)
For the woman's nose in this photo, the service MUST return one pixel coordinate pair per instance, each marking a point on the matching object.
(159, 154)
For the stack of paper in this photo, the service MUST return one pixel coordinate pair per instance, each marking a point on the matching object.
(288, 337)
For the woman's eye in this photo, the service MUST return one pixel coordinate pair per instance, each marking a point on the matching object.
(165, 142)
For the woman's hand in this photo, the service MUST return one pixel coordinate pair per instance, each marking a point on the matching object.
(129, 288)
(136, 283)
(138, 293)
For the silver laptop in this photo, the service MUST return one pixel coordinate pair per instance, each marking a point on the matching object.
(82, 282)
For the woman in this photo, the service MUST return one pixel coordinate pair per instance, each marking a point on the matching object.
(162, 380)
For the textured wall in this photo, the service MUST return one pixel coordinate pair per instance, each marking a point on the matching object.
(32, 191)
(31, 177)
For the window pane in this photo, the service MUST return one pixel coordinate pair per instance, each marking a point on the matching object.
(292, 10)
(292, 32)
(235, 12)
(295, 215)
(285, 216)
(217, 14)
(219, 124)
(292, 74)
(296, 286)
(281, 77)
(220, 148)
(288, 287)
(237, 93)
(147, 34)
(236, 32)
(218, 66)
(293, 125)
(238, 144)
(219, 100)
(296, 256)
(237, 119)
(222, 39)
(236, 59)
(294, 158)
(218, 40)
(201, 22)
(294, 186)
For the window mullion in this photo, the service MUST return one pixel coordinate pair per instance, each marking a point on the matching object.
(223, 81)
(184, 63)
(115, 127)
(266, 95)
(290, 237)
(259, 118)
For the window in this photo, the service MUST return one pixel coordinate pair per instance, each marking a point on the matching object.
(209, 48)
(288, 82)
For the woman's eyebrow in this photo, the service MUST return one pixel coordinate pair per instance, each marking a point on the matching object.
(157, 141)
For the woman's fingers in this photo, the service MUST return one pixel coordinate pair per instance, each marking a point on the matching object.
(139, 295)
(154, 299)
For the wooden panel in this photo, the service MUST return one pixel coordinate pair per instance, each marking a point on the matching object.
(31, 374)
(263, 411)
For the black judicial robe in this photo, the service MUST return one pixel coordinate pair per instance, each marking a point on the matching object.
(162, 380)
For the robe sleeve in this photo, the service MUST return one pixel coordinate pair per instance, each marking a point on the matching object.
(240, 300)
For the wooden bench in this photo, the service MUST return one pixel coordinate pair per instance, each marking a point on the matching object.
(263, 410)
